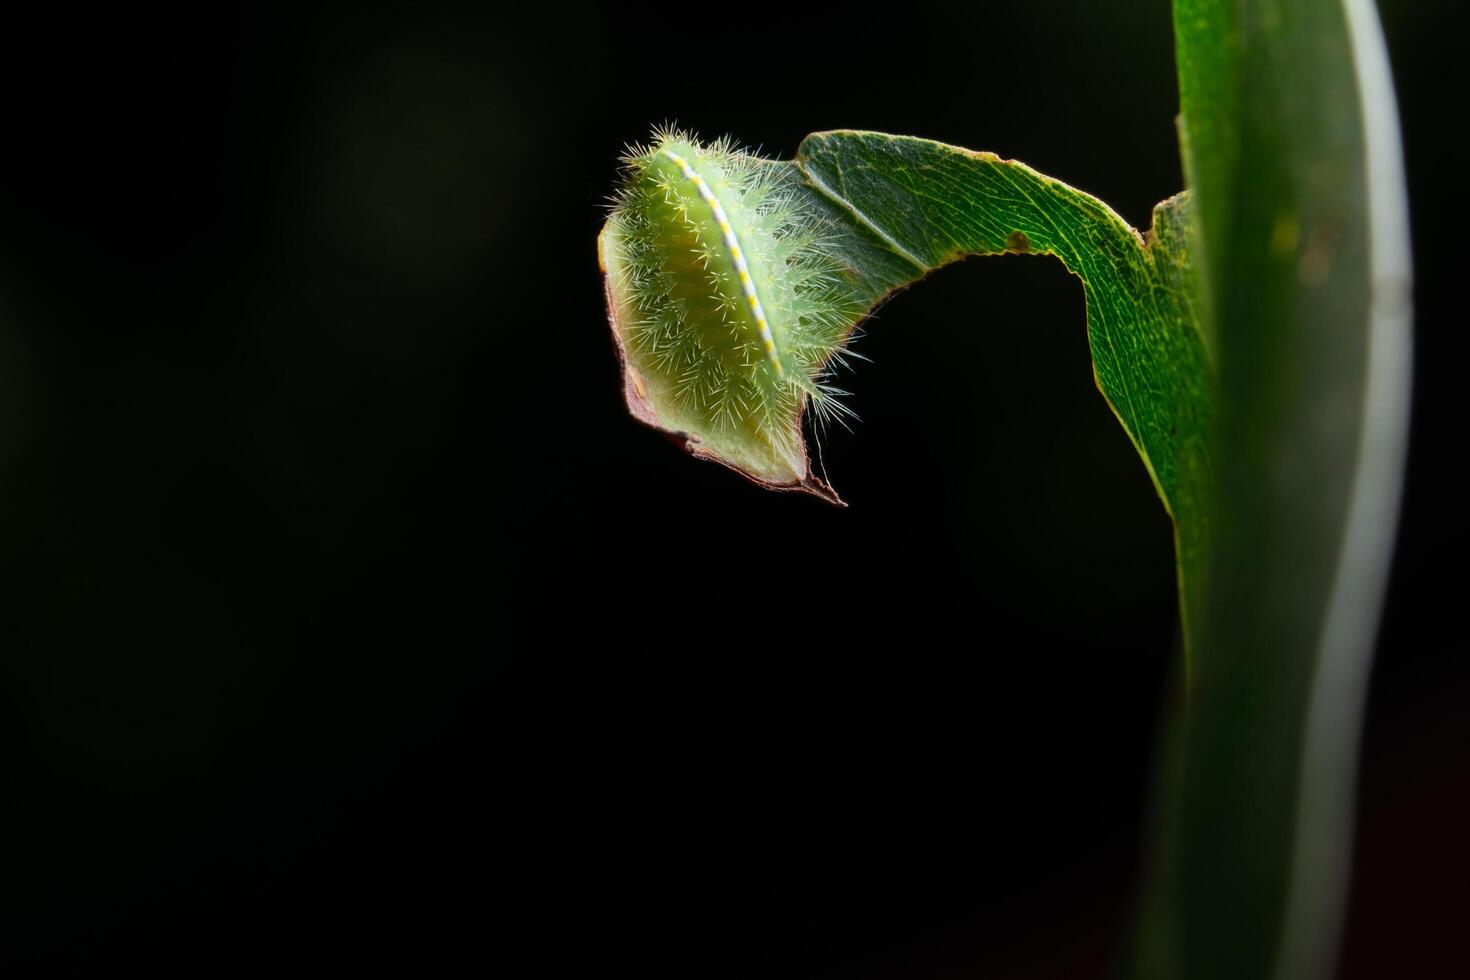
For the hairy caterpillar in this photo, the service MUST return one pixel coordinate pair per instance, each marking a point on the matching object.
(726, 305)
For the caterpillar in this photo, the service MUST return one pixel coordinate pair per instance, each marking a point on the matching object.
(726, 305)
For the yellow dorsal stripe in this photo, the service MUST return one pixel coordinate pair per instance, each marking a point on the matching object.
(732, 245)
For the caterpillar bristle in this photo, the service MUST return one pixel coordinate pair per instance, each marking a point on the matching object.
(736, 313)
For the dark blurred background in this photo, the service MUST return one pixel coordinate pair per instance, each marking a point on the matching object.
(351, 622)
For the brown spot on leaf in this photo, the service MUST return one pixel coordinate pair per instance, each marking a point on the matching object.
(1017, 241)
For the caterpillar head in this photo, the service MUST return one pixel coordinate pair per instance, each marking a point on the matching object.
(726, 307)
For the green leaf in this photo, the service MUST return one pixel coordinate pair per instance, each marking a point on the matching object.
(1291, 151)
(895, 208)
(910, 206)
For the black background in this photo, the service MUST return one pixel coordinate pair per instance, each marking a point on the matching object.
(354, 624)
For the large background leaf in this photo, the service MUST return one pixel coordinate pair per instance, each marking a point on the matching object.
(1291, 150)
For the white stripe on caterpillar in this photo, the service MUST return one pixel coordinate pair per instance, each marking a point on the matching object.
(732, 244)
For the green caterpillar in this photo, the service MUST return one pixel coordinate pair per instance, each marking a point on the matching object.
(726, 305)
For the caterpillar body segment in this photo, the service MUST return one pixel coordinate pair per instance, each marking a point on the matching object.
(726, 305)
